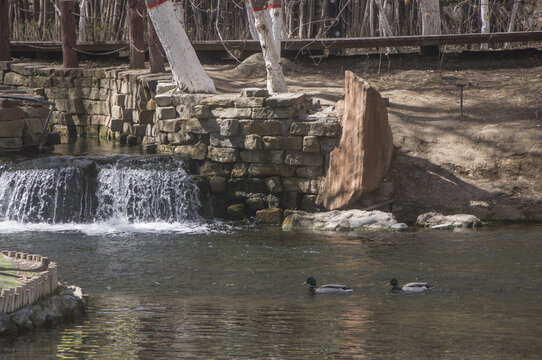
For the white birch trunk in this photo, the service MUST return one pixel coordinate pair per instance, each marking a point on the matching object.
(512, 24)
(83, 21)
(250, 18)
(383, 24)
(279, 32)
(484, 17)
(275, 77)
(179, 13)
(185, 66)
(57, 9)
(430, 13)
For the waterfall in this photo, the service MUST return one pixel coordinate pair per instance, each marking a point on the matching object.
(147, 193)
(122, 189)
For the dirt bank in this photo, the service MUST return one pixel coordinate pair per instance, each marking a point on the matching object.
(487, 162)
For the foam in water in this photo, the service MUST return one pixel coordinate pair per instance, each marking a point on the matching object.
(114, 227)
(105, 195)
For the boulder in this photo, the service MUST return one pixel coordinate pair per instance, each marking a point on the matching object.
(223, 155)
(236, 212)
(8, 103)
(254, 66)
(359, 163)
(217, 184)
(254, 92)
(11, 114)
(12, 128)
(256, 203)
(436, 220)
(269, 216)
(336, 220)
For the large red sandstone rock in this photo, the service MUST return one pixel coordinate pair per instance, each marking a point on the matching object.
(358, 165)
(11, 129)
(11, 114)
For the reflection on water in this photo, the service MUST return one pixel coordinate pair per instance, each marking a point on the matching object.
(237, 295)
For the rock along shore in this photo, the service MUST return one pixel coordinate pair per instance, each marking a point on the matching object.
(336, 220)
(66, 304)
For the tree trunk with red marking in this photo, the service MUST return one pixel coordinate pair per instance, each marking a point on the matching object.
(275, 77)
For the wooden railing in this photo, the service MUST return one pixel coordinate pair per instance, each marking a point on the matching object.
(301, 44)
(32, 289)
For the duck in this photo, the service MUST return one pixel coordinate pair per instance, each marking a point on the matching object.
(326, 289)
(410, 287)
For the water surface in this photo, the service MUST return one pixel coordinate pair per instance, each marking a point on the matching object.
(236, 294)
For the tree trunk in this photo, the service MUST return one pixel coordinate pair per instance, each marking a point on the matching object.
(5, 49)
(69, 38)
(512, 24)
(310, 15)
(156, 59)
(185, 66)
(301, 18)
(275, 77)
(484, 16)
(250, 20)
(383, 23)
(136, 32)
(322, 27)
(371, 17)
(430, 14)
(82, 21)
(279, 33)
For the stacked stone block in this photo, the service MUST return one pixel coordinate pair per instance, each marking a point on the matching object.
(258, 150)
(21, 124)
(33, 289)
(90, 102)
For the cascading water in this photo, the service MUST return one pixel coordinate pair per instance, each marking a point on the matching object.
(147, 193)
(122, 192)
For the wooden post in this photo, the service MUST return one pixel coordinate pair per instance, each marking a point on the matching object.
(5, 49)
(156, 59)
(25, 295)
(5, 294)
(18, 297)
(67, 32)
(11, 300)
(136, 31)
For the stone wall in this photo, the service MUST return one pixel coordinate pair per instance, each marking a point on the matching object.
(32, 289)
(90, 102)
(258, 151)
(21, 123)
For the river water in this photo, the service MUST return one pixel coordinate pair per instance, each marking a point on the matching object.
(166, 281)
(236, 293)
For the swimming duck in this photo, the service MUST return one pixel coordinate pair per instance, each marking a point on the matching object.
(326, 289)
(410, 287)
